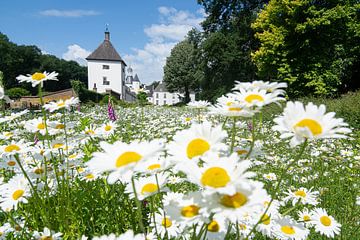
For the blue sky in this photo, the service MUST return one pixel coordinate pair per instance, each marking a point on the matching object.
(143, 31)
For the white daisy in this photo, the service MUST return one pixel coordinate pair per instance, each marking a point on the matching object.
(13, 192)
(146, 186)
(257, 98)
(324, 224)
(196, 141)
(199, 104)
(286, 228)
(165, 224)
(309, 122)
(38, 78)
(229, 106)
(302, 195)
(120, 158)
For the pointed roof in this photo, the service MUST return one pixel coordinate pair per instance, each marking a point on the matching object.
(161, 87)
(106, 51)
(136, 78)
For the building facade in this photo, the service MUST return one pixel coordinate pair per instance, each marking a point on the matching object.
(161, 96)
(106, 71)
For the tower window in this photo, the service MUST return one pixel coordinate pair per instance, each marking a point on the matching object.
(105, 81)
(106, 67)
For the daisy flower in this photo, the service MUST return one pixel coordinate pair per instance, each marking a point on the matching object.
(270, 176)
(256, 98)
(268, 86)
(146, 186)
(36, 125)
(165, 224)
(219, 174)
(15, 147)
(60, 104)
(120, 158)
(106, 129)
(217, 228)
(185, 209)
(305, 216)
(229, 106)
(302, 195)
(47, 234)
(324, 224)
(196, 141)
(37, 77)
(13, 192)
(198, 104)
(309, 122)
(286, 228)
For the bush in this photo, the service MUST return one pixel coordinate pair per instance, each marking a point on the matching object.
(16, 93)
(84, 94)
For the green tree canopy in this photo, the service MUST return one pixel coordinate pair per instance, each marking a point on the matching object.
(180, 72)
(312, 45)
(19, 59)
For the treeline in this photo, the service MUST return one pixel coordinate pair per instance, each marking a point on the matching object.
(19, 59)
(313, 45)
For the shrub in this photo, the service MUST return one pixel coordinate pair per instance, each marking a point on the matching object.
(84, 94)
(16, 93)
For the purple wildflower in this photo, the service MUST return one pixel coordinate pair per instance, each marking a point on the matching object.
(111, 111)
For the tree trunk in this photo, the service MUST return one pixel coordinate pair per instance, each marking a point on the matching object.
(187, 94)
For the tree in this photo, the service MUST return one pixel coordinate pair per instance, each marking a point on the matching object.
(16, 60)
(227, 43)
(142, 98)
(311, 44)
(180, 73)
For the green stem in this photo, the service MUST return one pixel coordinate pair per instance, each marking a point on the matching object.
(252, 138)
(138, 207)
(278, 186)
(233, 133)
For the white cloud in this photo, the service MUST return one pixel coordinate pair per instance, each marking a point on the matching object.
(174, 25)
(77, 54)
(68, 13)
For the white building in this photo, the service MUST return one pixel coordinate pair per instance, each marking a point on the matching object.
(106, 71)
(161, 96)
(133, 82)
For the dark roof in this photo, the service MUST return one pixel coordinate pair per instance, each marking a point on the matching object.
(136, 78)
(161, 88)
(105, 51)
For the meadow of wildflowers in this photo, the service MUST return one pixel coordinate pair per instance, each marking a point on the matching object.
(199, 172)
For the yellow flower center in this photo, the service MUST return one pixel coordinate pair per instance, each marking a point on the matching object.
(8, 134)
(89, 132)
(38, 171)
(190, 211)
(215, 177)
(300, 193)
(235, 109)
(46, 238)
(108, 128)
(242, 152)
(288, 230)
(61, 104)
(153, 166)
(197, 147)
(166, 222)
(306, 218)
(149, 188)
(58, 145)
(254, 97)
(242, 226)
(72, 156)
(60, 126)
(325, 220)
(229, 104)
(265, 219)
(89, 176)
(41, 126)
(127, 158)
(17, 194)
(213, 226)
(11, 163)
(38, 76)
(80, 169)
(235, 201)
(187, 119)
(311, 124)
(12, 148)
